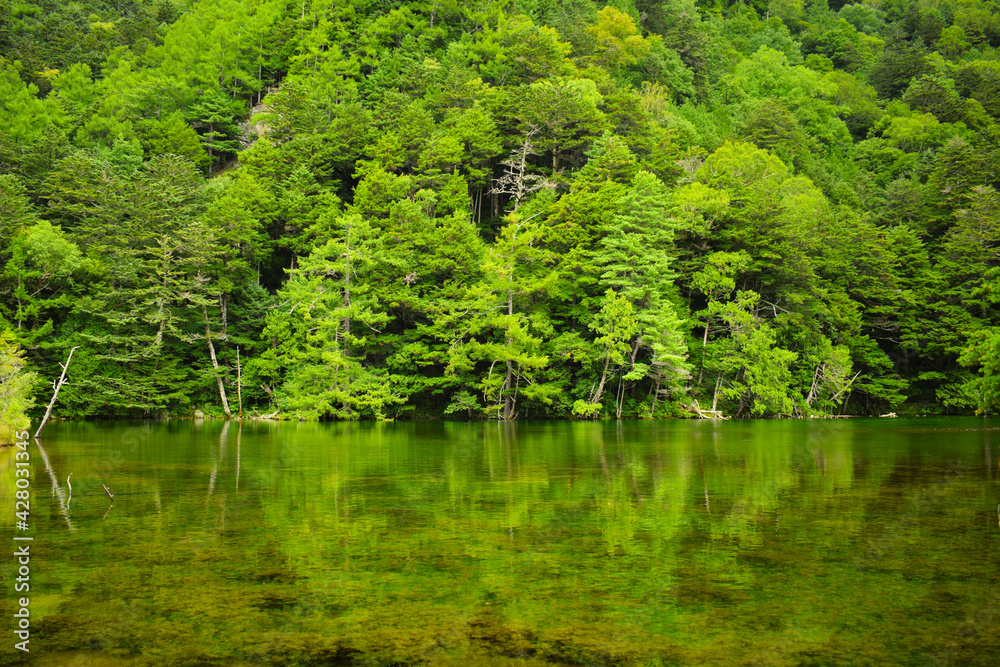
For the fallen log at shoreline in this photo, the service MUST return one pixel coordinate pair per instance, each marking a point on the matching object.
(696, 409)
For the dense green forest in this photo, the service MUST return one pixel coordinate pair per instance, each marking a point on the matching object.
(502, 209)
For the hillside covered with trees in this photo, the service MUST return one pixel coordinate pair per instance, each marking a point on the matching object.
(502, 209)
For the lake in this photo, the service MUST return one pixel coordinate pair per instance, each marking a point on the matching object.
(811, 542)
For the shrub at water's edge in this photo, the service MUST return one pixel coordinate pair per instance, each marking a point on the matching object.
(15, 389)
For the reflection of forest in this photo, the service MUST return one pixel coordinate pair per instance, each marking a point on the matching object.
(755, 543)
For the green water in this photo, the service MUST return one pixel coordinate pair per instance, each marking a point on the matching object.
(847, 542)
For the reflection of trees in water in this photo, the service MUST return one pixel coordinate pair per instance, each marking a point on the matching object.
(574, 541)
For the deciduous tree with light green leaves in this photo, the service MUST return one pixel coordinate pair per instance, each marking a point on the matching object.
(16, 389)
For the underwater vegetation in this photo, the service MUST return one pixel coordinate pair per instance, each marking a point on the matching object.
(656, 543)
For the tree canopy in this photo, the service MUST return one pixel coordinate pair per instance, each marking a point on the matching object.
(342, 209)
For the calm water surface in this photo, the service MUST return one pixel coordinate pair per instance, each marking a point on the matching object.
(848, 542)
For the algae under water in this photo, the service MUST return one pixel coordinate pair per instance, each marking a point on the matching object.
(848, 542)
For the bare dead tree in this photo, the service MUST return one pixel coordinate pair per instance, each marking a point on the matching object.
(516, 181)
(215, 363)
(56, 386)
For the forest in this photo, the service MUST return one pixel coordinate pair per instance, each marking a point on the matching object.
(499, 209)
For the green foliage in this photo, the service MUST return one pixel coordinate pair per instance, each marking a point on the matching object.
(173, 136)
(216, 117)
(16, 211)
(755, 373)
(983, 352)
(323, 327)
(16, 385)
(545, 208)
(899, 64)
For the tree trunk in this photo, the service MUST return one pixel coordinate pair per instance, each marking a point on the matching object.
(600, 387)
(704, 344)
(814, 389)
(211, 140)
(19, 310)
(620, 398)
(347, 287)
(508, 407)
(215, 364)
(715, 398)
(239, 381)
